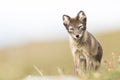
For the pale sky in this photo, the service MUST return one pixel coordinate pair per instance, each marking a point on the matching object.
(27, 20)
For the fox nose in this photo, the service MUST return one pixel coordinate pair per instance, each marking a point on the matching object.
(77, 36)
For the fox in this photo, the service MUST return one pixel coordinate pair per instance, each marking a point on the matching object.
(86, 50)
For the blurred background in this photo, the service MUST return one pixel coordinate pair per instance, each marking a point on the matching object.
(32, 33)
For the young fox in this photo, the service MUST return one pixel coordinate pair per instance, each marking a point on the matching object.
(87, 51)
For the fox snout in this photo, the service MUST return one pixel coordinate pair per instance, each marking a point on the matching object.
(78, 35)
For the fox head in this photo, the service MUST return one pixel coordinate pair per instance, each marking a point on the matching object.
(75, 26)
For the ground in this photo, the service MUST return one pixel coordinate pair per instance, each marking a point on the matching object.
(18, 62)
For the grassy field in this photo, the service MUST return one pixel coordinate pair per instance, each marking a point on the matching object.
(17, 62)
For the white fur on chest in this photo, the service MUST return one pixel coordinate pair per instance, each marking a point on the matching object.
(73, 47)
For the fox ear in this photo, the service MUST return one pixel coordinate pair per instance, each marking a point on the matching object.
(82, 17)
(66, 20)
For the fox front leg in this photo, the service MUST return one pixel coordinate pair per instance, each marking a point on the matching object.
(76, 64)
(88, 60)
(88, 63)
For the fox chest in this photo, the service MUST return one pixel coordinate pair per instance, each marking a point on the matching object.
(79, 50)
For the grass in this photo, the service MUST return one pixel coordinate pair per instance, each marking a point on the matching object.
(17, 62)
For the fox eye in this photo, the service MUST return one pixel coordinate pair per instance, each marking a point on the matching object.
(71, 29)
(80, 27)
